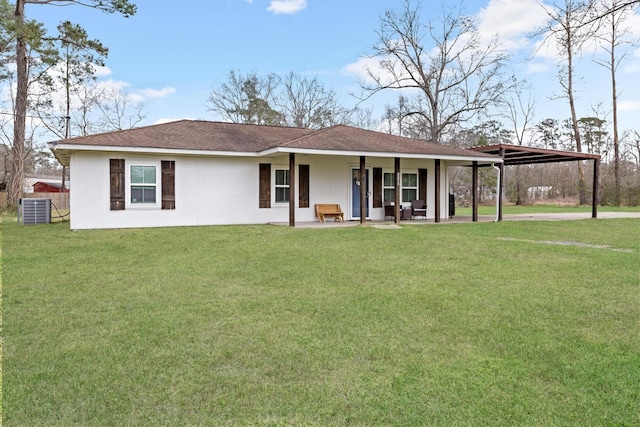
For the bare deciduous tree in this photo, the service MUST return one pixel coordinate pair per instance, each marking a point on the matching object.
(613, 39)
(306, 103)
(566, 26)
(597, 14)
(455, 71)
(296, 100)
(520, 108)
(117, 110)
(246, 99)
(393, 114)
(363, 118)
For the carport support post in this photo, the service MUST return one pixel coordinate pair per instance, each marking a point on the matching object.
(363, 190)
(474, 192)
(396, 182)
(437, 192)
(500, 184)
(292, 190)
(596, 180)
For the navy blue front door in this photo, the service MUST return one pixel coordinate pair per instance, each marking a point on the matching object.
(356, 185)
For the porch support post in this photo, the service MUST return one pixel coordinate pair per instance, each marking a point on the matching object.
(474, 192)
(292, 190)
(363, 190)
(396, 182)
(437, 192)
(500, 184)
(596, 180)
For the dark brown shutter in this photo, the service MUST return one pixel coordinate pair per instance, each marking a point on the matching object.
(377, 187)
(303, 183)
(422, 184)
(265, 185)
(168, 184)
(116, 173)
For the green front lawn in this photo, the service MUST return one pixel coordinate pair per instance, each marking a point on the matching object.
(511, 323)
(509, 209)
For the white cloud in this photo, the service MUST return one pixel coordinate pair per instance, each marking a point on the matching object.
(111, 84)
(287, 7)
(629, 106)
(359, 68)
(142, 95)
(632, 62)
(102, 71)
(511, 20)
(363, 66)
(136, 96)
(537, 67)
(156, 93)
(632, 68)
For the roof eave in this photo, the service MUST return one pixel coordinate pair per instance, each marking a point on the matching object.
(64, 151)
(485, 159)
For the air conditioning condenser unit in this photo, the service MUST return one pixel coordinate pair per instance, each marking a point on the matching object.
(35, 211)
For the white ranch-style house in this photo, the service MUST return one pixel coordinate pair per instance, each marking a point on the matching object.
(193, 172)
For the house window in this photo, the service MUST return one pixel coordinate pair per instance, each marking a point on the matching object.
(389, 187)
(282, 186)
(143, 184)
(409, 187)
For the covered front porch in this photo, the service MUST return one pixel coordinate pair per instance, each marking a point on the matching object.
(377, 188)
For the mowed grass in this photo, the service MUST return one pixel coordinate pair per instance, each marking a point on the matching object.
(509, 209)
(511, 323)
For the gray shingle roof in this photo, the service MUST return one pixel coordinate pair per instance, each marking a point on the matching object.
(194, 135)
(208, 136)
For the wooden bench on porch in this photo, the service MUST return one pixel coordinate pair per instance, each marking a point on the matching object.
(334, 210)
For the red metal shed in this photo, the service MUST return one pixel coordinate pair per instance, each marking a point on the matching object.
(47, 187)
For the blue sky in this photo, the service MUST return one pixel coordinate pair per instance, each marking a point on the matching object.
(171, 54)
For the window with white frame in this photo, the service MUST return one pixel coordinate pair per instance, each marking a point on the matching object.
(389, 189)
(282, 185)
(409, 187)
(143, 181)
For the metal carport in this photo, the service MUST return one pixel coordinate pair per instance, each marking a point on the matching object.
(513, 155)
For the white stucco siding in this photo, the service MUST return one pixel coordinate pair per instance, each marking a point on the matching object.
(89, 177)
(225, 190)
(208, 191)
(91, 201)
(328, 183)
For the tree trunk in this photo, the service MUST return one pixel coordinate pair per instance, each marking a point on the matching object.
(518, 190)
(16, 184)
(616, 147)
(574, 122)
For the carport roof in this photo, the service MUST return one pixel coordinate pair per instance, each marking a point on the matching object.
(522, 155)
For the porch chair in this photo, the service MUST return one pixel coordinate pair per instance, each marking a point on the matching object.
(389, 210)
(419, 208)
